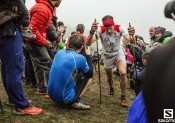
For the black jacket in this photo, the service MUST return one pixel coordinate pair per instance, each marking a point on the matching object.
(52, 32)
(22, 10)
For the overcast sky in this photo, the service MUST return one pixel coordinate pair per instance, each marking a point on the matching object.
(140, 13)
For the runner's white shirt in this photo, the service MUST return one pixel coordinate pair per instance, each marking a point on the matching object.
(111, 44)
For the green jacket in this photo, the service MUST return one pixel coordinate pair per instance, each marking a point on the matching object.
(60, 45)
(165, 40)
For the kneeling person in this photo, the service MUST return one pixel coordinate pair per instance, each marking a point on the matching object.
(70, 74)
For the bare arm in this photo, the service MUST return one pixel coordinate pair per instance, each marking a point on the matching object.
(91, 38)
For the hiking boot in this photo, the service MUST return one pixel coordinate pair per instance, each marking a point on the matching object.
(111, 91)
(28, 34)
(81, 106)
(31, 110)
(123, 102)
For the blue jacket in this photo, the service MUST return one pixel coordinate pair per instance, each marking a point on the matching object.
(63, 73)
(137, 111)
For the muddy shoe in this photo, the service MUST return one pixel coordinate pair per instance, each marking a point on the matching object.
(31, 110)
(79, 105)
(47, 96)
(123, 102)
(111, 91)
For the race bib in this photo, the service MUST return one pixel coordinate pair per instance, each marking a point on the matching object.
(110, 44)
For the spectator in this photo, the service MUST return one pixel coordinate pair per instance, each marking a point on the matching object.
(163, 36)
(61, 43)
(41, 17)
(158, 87)
(70, 78)
(153, 43)
(139, 75)
(95, 59)
(11, 55)
(19, 7)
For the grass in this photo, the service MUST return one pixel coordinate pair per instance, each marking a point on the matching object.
(107, 112)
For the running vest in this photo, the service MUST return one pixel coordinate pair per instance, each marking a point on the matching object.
(116, 28)
(111, 44)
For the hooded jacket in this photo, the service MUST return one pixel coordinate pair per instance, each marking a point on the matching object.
(167, 36)
(41, 17)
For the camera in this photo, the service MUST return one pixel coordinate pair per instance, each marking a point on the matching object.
(170, 10)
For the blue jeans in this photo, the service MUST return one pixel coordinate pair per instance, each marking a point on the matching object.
(11, 55)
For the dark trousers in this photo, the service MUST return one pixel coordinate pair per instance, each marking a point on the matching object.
(41, 62)
(81, 82)
(29, 71)
(11, 54)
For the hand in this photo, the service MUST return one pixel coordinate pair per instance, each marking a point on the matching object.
(15, 9)
(131, 30)
(87, 50)
(94, 26)
(49, 44)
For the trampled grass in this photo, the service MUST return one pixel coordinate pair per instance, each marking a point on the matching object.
(107, 112)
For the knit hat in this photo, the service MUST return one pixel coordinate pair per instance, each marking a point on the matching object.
(160, 30)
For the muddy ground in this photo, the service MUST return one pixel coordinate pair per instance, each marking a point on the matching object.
(107, 112)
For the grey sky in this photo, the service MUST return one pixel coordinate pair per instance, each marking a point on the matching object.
(141, 13)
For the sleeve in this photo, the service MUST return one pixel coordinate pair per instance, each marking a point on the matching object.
(22, 11)
(54, 20)
(89, 74)
(156, 44)
(60, 45)
(137, 111)
(52, 33)
(83, 65)
(25, 19)
(86, 67)
(123, 30)
(37, 20)
(140, 75)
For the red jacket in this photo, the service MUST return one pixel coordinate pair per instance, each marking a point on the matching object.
(40, 19)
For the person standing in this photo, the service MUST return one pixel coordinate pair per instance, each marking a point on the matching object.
(41, 17)
(11, 55)
(110, 35)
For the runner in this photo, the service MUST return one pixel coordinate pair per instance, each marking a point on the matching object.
(110, 35)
